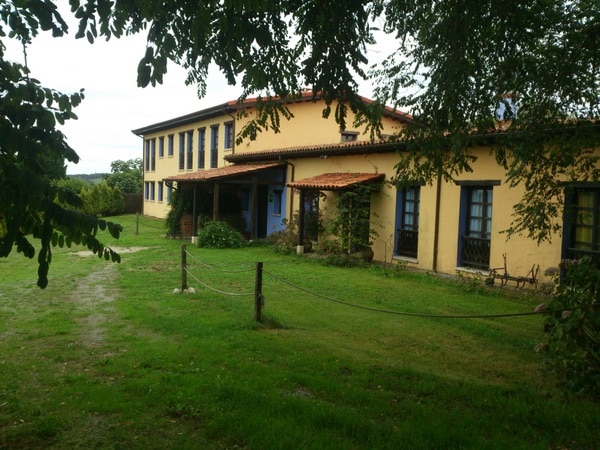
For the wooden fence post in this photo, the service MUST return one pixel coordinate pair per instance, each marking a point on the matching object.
(258, 295)
(183, 268)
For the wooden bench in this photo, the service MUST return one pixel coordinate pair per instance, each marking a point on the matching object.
(501, 274)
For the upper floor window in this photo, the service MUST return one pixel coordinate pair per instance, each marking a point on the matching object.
(228, 135)
(190, 150)
(170, 145)
(214, 146)
(181, 151)
(349, 136)
(153, 155)
(201, 147)
(147, 155)
(161, 147)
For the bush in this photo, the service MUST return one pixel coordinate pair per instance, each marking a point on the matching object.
(102, 200)
(219, 234)
(286, 241)
(572, 327)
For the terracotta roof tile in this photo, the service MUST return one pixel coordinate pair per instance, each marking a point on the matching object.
(223, 172)
(342, 148)
(336, 181)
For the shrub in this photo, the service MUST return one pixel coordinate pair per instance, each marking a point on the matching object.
(286, 241)
(572, 327)
(102, 200)
(219, 234)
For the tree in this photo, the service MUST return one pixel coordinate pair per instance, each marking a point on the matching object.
(126, 175)
(455, 66)
(454, 63)
(30, 144)
(462, 63)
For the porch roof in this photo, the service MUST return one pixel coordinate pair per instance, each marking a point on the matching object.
(223, 172)
(335, 181)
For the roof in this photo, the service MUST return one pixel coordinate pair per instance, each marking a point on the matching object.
(233, 106)
(339, 148)
(335, 181)
(224, 172)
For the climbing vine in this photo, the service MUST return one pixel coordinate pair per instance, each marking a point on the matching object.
(352, 220)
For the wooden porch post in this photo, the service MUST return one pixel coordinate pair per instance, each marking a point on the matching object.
(216, 202)
(254, 208)
(300, 247)
(195, 216)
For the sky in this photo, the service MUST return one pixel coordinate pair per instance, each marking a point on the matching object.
(113, 104)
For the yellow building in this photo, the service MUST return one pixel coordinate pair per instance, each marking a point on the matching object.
(444, 227)
(194, 152)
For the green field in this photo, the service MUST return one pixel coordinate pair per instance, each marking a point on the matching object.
(109, 357)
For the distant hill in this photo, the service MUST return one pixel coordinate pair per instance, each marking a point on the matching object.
(94, 178)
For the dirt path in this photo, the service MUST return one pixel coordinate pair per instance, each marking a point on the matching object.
(95, 294)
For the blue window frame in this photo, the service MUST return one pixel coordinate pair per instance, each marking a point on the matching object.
(581, 235)
(228, 135)
(161, 147)
(189, 150)
(181, 151)
(214, 146)
(475, 226)
(201, 147)
(407, 220)
(170, 145)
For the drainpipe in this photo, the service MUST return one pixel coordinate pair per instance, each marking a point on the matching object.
(436, 231)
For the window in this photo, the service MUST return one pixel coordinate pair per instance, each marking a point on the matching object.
(153, 155)
(149, 190)
(229, 135)
(407, 239)
(349, 136)
(190, 150)
(277, 196)
(170, 145)
(160, 191)
(181, 151)
(214, 146)
(582, 224)
(169, 192)
(147, 155)
(201, 147)
(161, 147)
(476, 227)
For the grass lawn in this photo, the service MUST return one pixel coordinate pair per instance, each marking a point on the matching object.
(109, 357)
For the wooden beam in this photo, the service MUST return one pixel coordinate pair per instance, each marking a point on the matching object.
(216, 202)
(301, 206)
(254, 208)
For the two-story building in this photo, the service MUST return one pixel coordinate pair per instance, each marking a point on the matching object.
(445, 227)
(198, 151)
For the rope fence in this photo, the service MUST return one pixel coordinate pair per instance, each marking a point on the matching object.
(259, 297)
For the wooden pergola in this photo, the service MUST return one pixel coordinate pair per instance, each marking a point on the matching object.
(327, 182)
